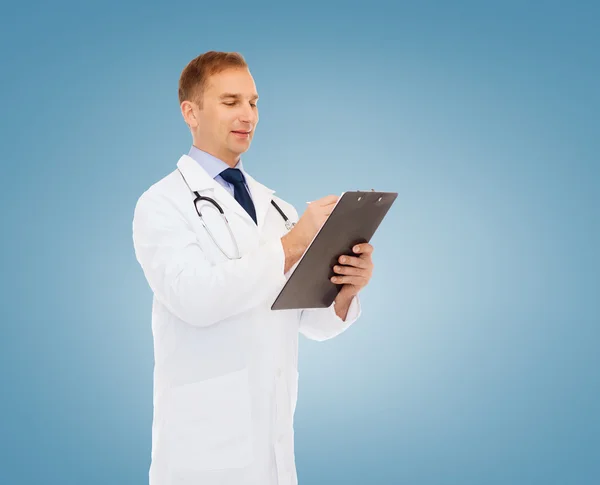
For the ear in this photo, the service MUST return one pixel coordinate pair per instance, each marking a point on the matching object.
(187, 111)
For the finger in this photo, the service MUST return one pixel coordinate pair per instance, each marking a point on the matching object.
(349, 280)
(350, 271)
(363, 248)
(353, 261)
(328, 200)
(329, 207)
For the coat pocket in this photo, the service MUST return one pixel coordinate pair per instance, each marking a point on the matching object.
(210, 424)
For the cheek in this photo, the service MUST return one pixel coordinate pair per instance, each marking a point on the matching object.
(227, 121)
(209, 121)
(225, 128)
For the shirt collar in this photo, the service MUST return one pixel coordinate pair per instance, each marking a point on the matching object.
(211, 164)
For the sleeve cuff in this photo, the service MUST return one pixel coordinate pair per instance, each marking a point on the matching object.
(354, 311)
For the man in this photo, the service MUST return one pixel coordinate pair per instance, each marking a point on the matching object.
(225, 374)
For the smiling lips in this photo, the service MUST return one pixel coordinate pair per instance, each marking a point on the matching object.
(241, 134)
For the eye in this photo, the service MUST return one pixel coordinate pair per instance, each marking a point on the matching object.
(253, 105)
(229, 104)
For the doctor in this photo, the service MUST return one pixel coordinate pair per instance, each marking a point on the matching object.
(225, 364)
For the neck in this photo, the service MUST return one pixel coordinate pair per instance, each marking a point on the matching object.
(225, 155)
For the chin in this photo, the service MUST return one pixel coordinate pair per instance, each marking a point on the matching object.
(240, 147)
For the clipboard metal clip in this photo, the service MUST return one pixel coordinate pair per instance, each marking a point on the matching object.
(360, 197)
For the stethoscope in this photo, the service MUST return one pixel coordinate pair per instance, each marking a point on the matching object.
(199, 198)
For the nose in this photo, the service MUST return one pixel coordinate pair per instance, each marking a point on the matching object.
(249, 115)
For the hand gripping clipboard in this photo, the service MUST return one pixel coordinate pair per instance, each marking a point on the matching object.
(354, 219)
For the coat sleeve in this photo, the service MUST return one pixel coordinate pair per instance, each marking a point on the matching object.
(323, 323)
(185, 281)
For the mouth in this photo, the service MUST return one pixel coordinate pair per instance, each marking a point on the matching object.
(241, 134)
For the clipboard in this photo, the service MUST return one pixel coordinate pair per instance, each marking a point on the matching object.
(353, 220)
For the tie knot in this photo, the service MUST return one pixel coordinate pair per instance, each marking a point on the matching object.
(232, 175)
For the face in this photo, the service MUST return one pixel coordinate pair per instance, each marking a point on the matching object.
(224, 126)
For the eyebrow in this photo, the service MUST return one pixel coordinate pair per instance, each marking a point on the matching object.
(237, 96)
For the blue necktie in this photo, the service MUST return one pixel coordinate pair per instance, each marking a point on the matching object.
(235, 177)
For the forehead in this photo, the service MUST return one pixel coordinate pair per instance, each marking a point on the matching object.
(238, 81)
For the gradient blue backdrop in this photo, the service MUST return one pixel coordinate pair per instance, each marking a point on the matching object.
(476, 360)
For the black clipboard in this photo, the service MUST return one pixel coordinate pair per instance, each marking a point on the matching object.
(353, 220)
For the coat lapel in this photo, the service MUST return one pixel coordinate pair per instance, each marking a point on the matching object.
(198, 180)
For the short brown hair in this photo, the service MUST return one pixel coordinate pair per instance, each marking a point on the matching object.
(194, 76)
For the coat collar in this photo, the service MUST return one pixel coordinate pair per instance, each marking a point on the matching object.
(199, 181)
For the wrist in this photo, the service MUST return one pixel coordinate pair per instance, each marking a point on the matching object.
(345, 295)
(292, 245)
(293, 249)
(342, 304)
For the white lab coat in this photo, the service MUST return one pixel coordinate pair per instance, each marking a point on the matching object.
(225, 372)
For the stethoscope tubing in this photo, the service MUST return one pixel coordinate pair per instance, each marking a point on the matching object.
(289, 225)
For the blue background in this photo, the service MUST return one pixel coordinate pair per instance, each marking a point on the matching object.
(476, 360)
